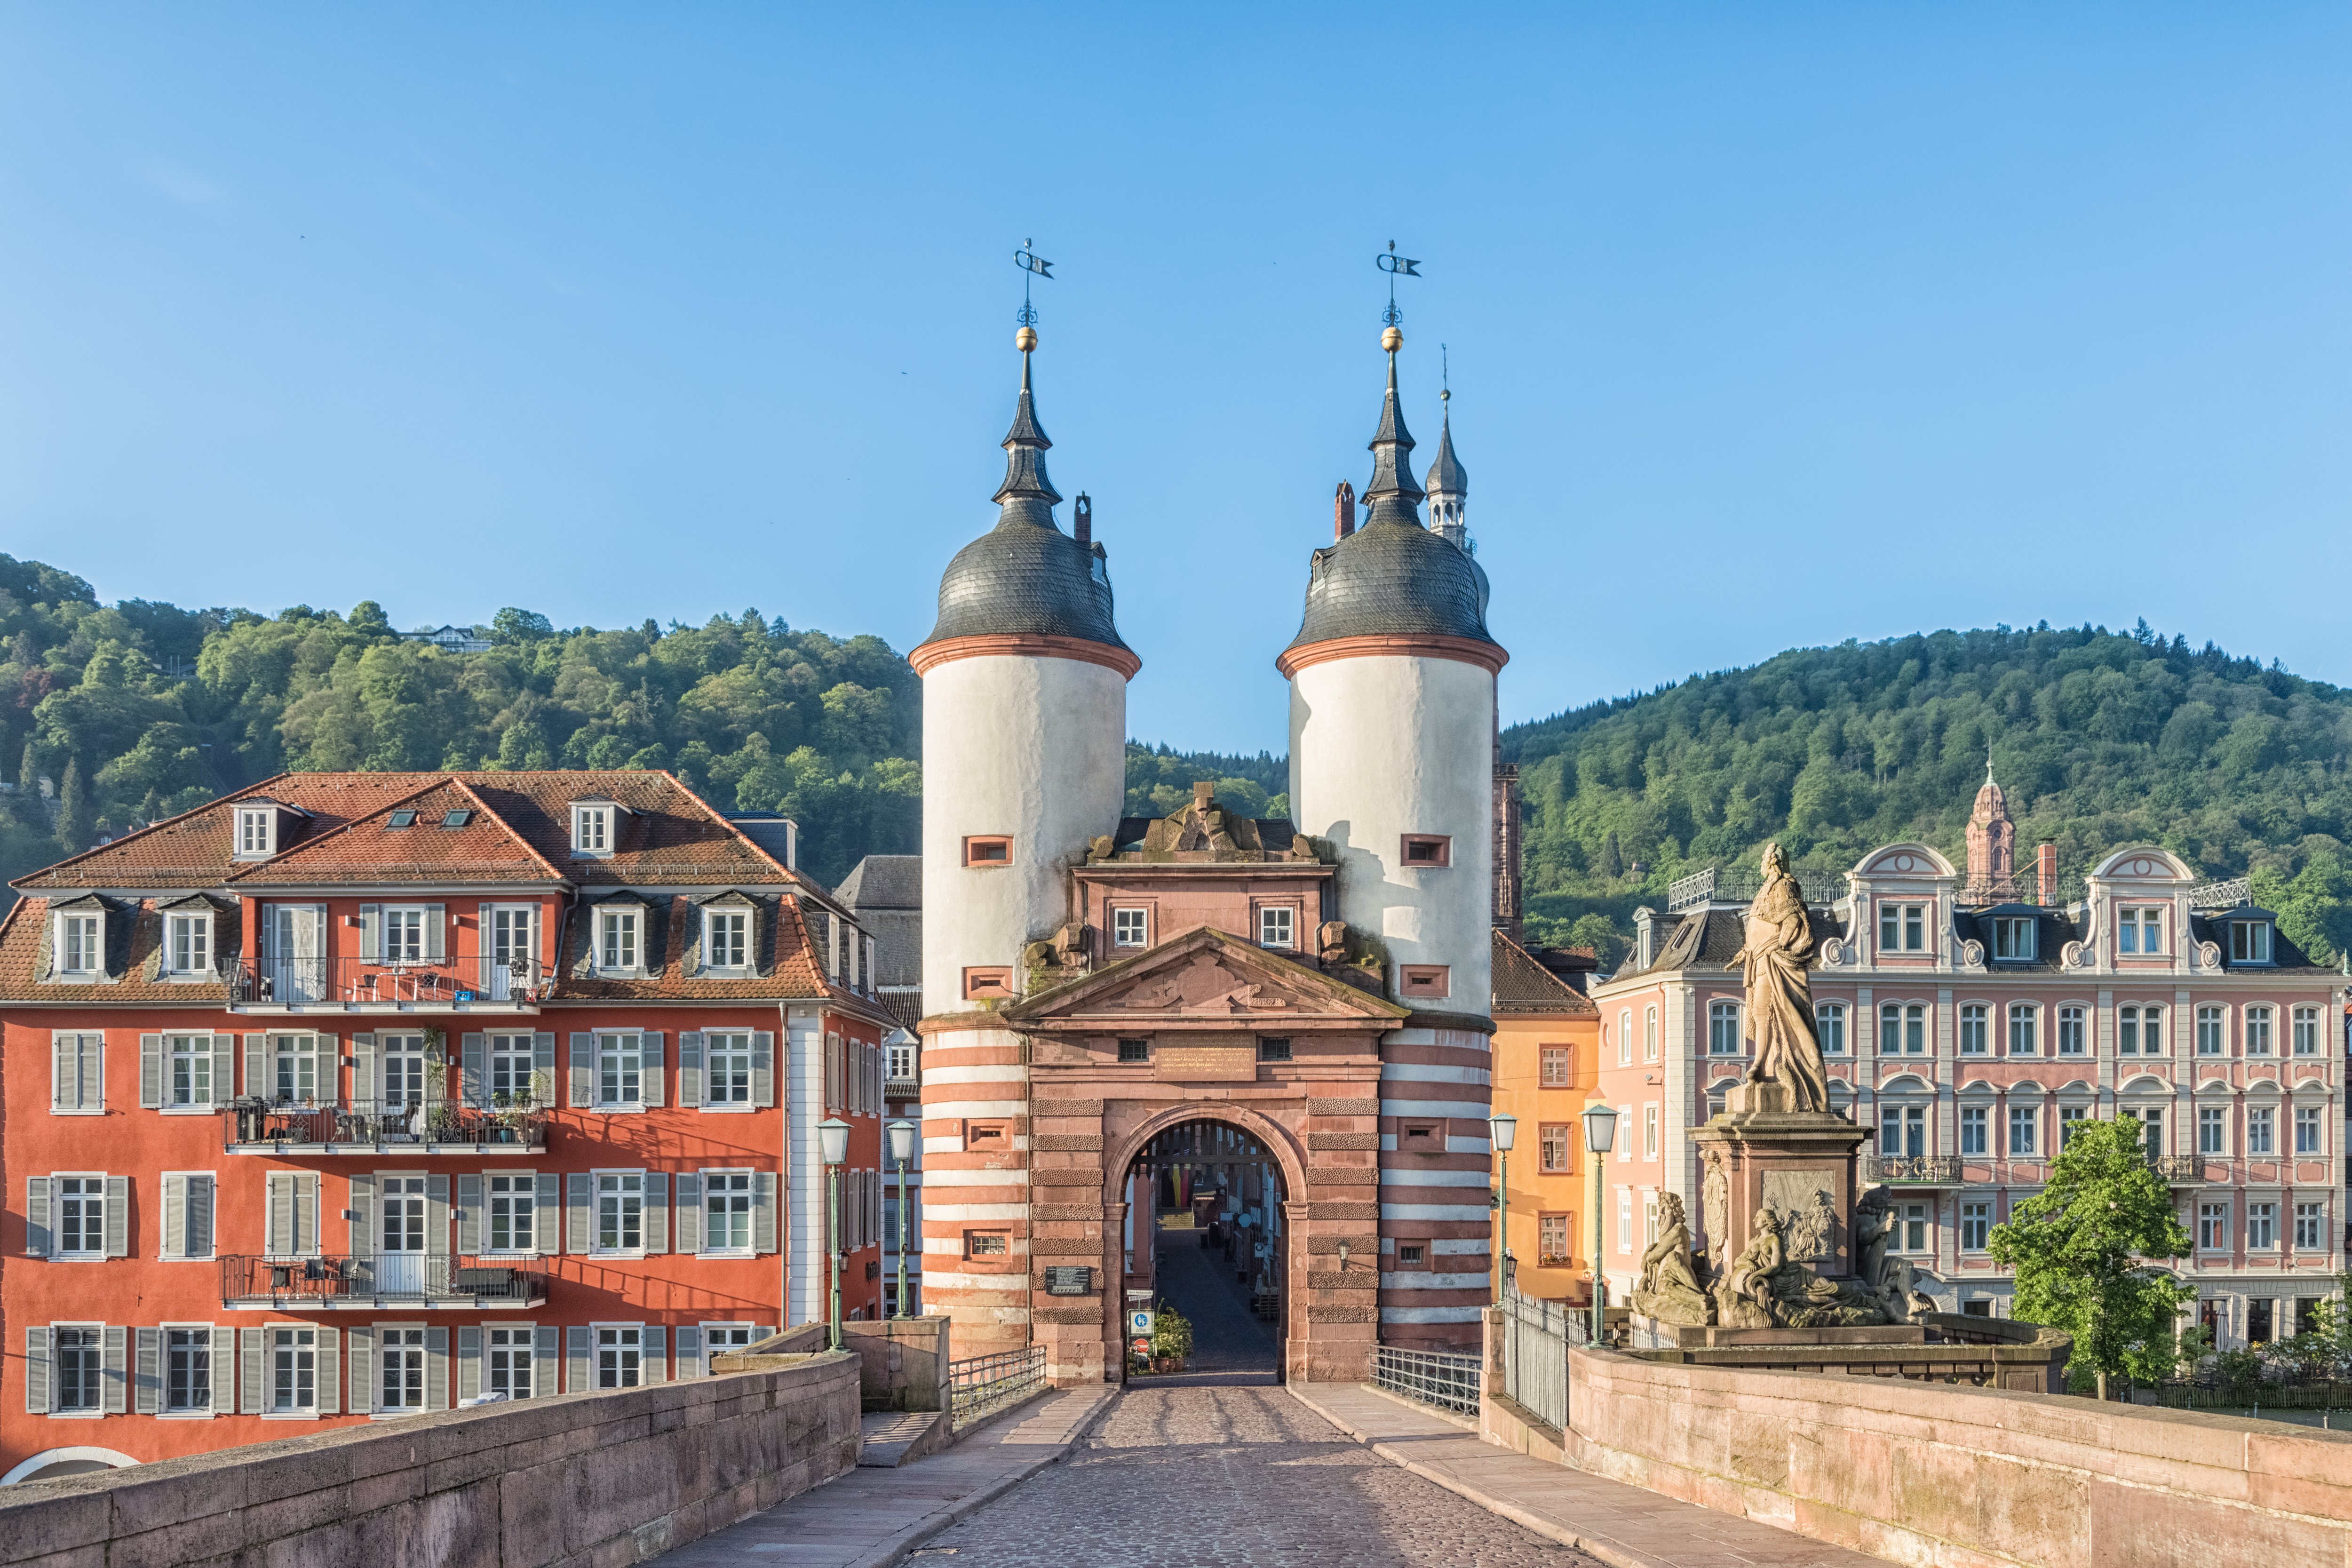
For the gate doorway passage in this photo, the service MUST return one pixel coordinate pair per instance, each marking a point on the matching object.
(1205, 1238)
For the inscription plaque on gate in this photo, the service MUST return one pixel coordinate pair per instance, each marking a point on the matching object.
(1066, 1280)
(1205, 1064)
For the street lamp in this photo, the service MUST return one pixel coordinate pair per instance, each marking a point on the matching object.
(833, 1146)
(902, 1149)
(1600, 1133)
(1500, 1131)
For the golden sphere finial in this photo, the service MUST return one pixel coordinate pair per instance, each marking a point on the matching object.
(1025, 339)
(1393, 340)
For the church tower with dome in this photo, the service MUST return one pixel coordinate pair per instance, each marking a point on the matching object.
(1268, 1035)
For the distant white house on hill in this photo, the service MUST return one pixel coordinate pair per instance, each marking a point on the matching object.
(451, 639)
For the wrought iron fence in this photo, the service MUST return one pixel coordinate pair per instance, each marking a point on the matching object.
(386, 1279)
(1536, 1336)
(1428, 1377)
(257, 1122)
(1737, 885)
(978, 1384)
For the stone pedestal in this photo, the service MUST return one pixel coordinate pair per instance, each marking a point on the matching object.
(1759, 1154)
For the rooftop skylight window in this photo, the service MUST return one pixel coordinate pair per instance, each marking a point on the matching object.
(401, 818)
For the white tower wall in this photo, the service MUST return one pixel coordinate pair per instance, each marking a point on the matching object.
(1384, 745)
(1032, 747)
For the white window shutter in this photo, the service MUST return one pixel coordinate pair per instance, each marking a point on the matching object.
(436, 1367)
(147, 1371)
(198, 1237)
(470, 1214)
(37, 1240)
(763, 1069)
(653, 1224)
(224, 1372)
(362, 1212)
(370, 933)
(65, 1061)
(579, 1375)
(366, 1090)
(360, 1354)
(689, 1354)
(175, 1216)
(36, 1372)
(151, 1072)
(690, 1212)
(584, 1068)
(115, 1346)
(763, 1211)
(436, 942)
(689, 1068)
(469, 1362)
(118, 1216)
(577, 1235)
(547, 1219)
(652, 1054)
(473, 1073)
(546, 1350)
(328, 1384)
(306, 1213)
(224, 1085)
(253, 1370)
(257, 1066)
(653, 1354)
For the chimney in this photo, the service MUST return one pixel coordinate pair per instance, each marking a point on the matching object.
(1343, 511)
(1082, 518)
(2046, 874)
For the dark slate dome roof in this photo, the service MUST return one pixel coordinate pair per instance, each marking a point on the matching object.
(1026, 576)
(1392, 576)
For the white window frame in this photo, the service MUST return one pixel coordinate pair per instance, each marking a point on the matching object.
(2074, 1030)
(908, 1054)
(622, 1074)
(1625, 1037)
(1902, 926)
(2262, 1226)
(525, 1348)
(1829, 1025)
(620, 940)
(2249, 942)
(2310, 1228)
(97, 1348)
(621, 1194)
(748, 1192)
(1976, 1221)
(2024, 1028)
(712, 1050)
(634, 1343)
(1650, 1134)
(2015, 938)
(524, 1185)
(1915, 1228)
(2071, 1116)
(2140, 929)
(58, 1251)
(2262, 1132)
(1976, 1030)
(1909, 1021)
(2213, 1226)
(1625, 1218)
(593, 827)
(1976, 1131)
(256, 833)
(2025, 1118)
(1277, 927)
(2213, 1030)
(283, 1339)
(2307, 1119)
(411, 921)
(748, 1330)
(80, 940)
(2304, 1022)
(164, 1409)
(737, 921)
(1131, 917)
(2213, 1131)
(201, 1053)
(383, 1353)
(2262, 1030)
(510, 1048)
(1726, 1036)
(188, 945)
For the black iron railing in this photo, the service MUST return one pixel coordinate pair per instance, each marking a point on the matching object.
(389, 1279)
(375, 983)
(2178, 1167)
(1434, 1378)
(258, 1124)
(1937, 1170)
(978, 1384)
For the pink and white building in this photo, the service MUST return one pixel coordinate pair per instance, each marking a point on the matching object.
(1970, 1016)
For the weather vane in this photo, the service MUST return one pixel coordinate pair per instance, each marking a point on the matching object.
(1392, 264)
(1031, 265)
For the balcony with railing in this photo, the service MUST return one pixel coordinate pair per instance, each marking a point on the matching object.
(473, 984)
(1913, 1170)
(2179, 1170)
(1739, 884)
(256, 1126)
(433, 1279)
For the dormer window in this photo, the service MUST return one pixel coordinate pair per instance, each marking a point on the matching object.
(257, 832)
(2013, 937)
(2250, 941)
(2140, 929)
(80, 944)
(726, 938)
(1902, 928)
(595, 828)
(1277, 927)
(617, 938)
(188, 944)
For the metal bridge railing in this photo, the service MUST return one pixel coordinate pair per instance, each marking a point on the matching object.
(1535, 1354)
(978, 1384)
(1428, 1377)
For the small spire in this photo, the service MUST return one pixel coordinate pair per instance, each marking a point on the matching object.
(1024, 447)
(1392, 495)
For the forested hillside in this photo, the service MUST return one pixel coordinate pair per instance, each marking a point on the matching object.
(2099, 739)
(134, 710)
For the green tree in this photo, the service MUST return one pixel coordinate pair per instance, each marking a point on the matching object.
(512, 624)
(77, 820)
(2082, 1249)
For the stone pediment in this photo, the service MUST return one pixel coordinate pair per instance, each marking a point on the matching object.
(1202, 977)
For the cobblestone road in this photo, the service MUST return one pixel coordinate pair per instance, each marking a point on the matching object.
(1221, 1478)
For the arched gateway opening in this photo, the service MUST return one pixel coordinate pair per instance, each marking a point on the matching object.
(1207, 1236)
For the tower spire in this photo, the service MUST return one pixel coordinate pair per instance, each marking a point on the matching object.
(1026, 489)
(1448, 483)
(1392, 494)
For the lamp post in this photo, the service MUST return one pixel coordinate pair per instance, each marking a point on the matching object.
(833, 1146)
(902, 1148)
(1600, 1133)
(1501, 1129)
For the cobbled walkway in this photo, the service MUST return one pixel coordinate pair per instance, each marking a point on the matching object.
(1221, 1477)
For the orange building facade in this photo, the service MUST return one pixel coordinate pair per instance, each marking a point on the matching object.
(1547, 1039)
(353, 1096)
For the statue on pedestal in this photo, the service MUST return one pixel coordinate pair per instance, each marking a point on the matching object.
(1779, 999)
(1670, 1291)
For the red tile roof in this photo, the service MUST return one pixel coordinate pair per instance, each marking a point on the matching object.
(371, 850)
(1522, 986)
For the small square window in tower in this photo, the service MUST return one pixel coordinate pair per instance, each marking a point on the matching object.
(982, 983)
(1422, 851)
(1277, 926)
(987, 849)
(1432, 980)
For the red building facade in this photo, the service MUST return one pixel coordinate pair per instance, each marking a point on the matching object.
(355, 1095)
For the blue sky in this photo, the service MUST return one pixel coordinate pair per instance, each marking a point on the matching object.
(1767, 325)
